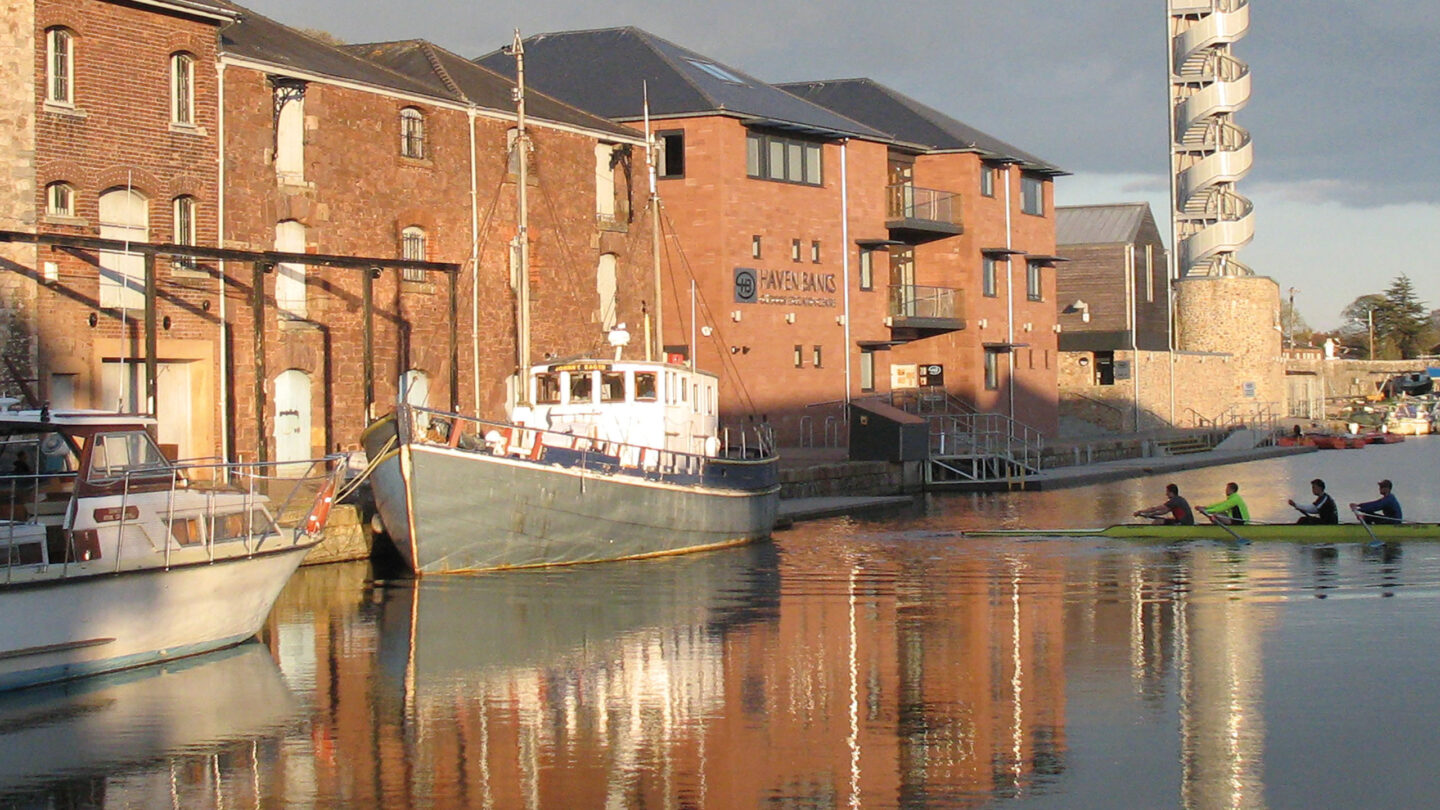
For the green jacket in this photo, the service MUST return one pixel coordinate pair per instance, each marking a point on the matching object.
(1233, 506)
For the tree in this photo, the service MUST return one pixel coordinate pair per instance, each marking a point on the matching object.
(1297, 331)
(1354, 332)
(1401, 320)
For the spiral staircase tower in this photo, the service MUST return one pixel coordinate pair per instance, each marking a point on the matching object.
(1209, 152)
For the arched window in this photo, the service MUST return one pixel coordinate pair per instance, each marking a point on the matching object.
(412, 247)
(412, 133)
(124, 216)
(182, 89)
(60, 67)
(183, 222)
(290, 278)
(60, 200)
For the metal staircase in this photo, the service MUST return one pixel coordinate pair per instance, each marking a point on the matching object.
(1209, 152)
(968, 447)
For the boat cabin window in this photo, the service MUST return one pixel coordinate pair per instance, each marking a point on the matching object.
(36, 453)
(547, 388)
(684, 389)
(119, 454)
(645, 390)
(612, 386)
(582, 387)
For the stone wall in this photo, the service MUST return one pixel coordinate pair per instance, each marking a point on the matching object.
(17, 184)
(851, 478)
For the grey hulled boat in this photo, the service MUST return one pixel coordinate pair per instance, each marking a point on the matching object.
(611, 460)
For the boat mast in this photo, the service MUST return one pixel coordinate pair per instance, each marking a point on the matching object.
(521, 246)
(654, 230)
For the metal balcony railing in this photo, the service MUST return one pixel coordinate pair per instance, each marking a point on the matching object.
(937, 303)
(924, 204)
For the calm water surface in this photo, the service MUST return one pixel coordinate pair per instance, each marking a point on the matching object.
(876, 663)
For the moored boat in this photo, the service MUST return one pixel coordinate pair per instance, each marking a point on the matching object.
(1409, 419)
(1291, 532)
(112, 556)
(610, 460)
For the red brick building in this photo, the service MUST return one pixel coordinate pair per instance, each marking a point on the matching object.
(201, 123)
(839, 236)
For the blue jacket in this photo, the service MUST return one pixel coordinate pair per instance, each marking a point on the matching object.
(1387, 506)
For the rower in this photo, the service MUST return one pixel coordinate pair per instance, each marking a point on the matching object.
(1323, 510)
(1231, 511)
(1384, 509)
(1175, 511)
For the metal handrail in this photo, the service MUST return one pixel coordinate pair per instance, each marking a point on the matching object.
(907, 201)
(916, 301)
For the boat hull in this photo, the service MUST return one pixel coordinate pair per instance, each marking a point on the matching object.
(95, 620)
(1284, 532)
(450, 510)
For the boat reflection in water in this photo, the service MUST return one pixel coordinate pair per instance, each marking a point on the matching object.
(608, 666)
(188, 733)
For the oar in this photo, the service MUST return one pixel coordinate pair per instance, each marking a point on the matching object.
(1368, 530)
(1226, 527)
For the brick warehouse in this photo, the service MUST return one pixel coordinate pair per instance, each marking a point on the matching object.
(840, 236)
(280, 142)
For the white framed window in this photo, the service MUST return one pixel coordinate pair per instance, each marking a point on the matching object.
(60, 67)
(604, 182)
(412, 133)
(290, 138)
(182, 89)
(124, 216)
(290, 292)
(412, 248)
(183, 218)
(60, 200)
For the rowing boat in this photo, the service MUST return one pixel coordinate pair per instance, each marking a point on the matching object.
(1308, 533)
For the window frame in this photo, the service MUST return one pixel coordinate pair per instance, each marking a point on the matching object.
(666, 162)
(1032, 194)
(1034, 281)
(64, 59)
(987, 180)
(815, 251)
(761, 158)
(412, 236)
(412, 134)
(867, 269)
(989, 277)
(867, 370)
(992, 370)
(756, 246)
(53, 210)
(182, 89)
(184, 211)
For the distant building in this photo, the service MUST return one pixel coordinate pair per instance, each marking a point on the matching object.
(843, 240)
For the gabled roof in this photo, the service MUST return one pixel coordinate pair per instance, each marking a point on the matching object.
(204, 8)
(906, 119)
(258, 38)
(1119, 223)
(451, 75)
(607, 71)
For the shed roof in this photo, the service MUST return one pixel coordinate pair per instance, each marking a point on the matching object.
(1117, 223)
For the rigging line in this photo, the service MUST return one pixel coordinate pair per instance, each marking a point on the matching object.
(726, 358)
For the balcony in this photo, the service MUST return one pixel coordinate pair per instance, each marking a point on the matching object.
(919, 312)
(917, 215)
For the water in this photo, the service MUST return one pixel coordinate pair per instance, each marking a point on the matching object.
(880, 662)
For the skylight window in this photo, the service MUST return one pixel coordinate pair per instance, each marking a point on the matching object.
(715, 70)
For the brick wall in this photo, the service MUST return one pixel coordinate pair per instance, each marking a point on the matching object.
(359, 194)
(17, 184)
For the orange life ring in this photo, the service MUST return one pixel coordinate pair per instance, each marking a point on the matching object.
(320, 509)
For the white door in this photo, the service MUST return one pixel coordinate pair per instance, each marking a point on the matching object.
(124, 215)
(122, 389)
(292, 420)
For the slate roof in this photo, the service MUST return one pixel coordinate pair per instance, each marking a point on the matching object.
(605, 70)
(1119, 223)
(261, 39)
(907, 120)
(452, 76)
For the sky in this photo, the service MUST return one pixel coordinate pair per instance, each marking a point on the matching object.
(1344, 111)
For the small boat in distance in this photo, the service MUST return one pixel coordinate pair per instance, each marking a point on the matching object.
(1409, 419)
(610, 460)
(1291, 532)
(112, 556)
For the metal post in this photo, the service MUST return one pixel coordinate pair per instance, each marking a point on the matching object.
(257, 306)
(367, 304)
(151, 339)
(455, 346)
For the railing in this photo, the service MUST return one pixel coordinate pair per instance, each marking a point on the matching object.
(987, 434)
(472, 434)
(912, 301)
(925, 204)
(286, 503)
